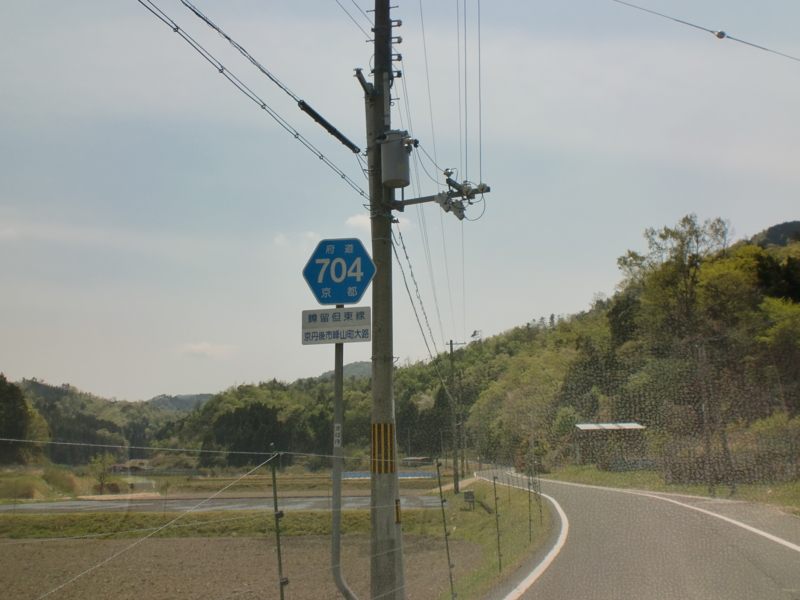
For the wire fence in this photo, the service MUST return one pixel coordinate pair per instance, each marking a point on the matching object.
(184, 531)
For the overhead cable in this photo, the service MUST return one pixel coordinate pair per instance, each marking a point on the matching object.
(301, 103)
(243, 52)
(149, 5)
(151, 534)
(720, 34)
(422, 307)
(351, 18)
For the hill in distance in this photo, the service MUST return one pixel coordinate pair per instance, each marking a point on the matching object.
(357, 369)
(778, 235)
(183, 402)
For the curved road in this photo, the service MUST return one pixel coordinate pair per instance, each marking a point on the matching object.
(624, 545)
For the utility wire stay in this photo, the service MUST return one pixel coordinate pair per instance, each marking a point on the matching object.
(720, 34)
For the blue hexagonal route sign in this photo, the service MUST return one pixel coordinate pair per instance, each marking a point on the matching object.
(339, 271)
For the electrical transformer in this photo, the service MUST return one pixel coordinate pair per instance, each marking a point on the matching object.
(395, 152)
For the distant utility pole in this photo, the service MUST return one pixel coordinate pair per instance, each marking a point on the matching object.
(455, 404)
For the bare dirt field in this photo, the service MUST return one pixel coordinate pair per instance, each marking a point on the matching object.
(215, 568)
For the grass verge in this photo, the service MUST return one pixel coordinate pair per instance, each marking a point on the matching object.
(477, 525)
(784, 495)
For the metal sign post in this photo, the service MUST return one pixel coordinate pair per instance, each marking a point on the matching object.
(338, 272)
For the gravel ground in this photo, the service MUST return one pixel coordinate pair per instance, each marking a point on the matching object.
(215, 568)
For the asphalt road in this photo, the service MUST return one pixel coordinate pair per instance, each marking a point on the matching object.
(642, 546)
(197, 505)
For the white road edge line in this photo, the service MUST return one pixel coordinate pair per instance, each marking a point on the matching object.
(769, 536)
(526, 583)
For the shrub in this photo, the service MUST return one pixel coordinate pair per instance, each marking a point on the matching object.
(15, 488)
(61, 480)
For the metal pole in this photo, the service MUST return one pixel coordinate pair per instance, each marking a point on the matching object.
(530, 513)
(386, 565)
(497, 524)
(463, 428)
(707, 466)
(282, 581)
(336, 500)
(453, 409)
(450, 565)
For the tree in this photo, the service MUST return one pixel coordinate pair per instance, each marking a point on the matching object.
(15, 419)
(668, 276)
(100, 468)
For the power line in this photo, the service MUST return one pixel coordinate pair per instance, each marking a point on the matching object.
(361, 10)
(301, 103)
(422, 307)
(162, 449)
(419, 298)
(150, 6)
(460, 116)
(427, 76)
(241, 50)
(351, 18)
(480, 100)
(719, 34)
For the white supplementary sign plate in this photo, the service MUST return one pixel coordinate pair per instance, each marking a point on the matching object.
(337, 325)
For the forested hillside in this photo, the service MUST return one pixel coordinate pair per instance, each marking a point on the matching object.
(700, 344)
(702, 339)
(76, 416)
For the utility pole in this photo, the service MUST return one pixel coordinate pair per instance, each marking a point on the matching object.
(387, 163)
(454, 410)
(707, 459)
(387, 579)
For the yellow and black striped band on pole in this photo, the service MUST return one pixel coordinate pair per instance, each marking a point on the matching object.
(383, 448)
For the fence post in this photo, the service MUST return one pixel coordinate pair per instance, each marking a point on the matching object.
(282, 581)
(450, 565)
(497, 523)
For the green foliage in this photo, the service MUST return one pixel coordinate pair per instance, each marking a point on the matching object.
(701, 334)
(14, 420)
(183, 403)
(81, 418)
(18, 420)
(779, 235)
(564, 423)
(21, 485)
(61, 480)
(100, 468)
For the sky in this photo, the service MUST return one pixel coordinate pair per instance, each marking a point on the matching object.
(154, 222)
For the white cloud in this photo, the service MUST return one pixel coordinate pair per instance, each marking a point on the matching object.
(363, 222)
(359, 222)
(207, 350)
(280, 240)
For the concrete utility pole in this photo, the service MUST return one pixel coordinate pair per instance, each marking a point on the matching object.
(387, 579)
(386, 572)
(454, 410)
